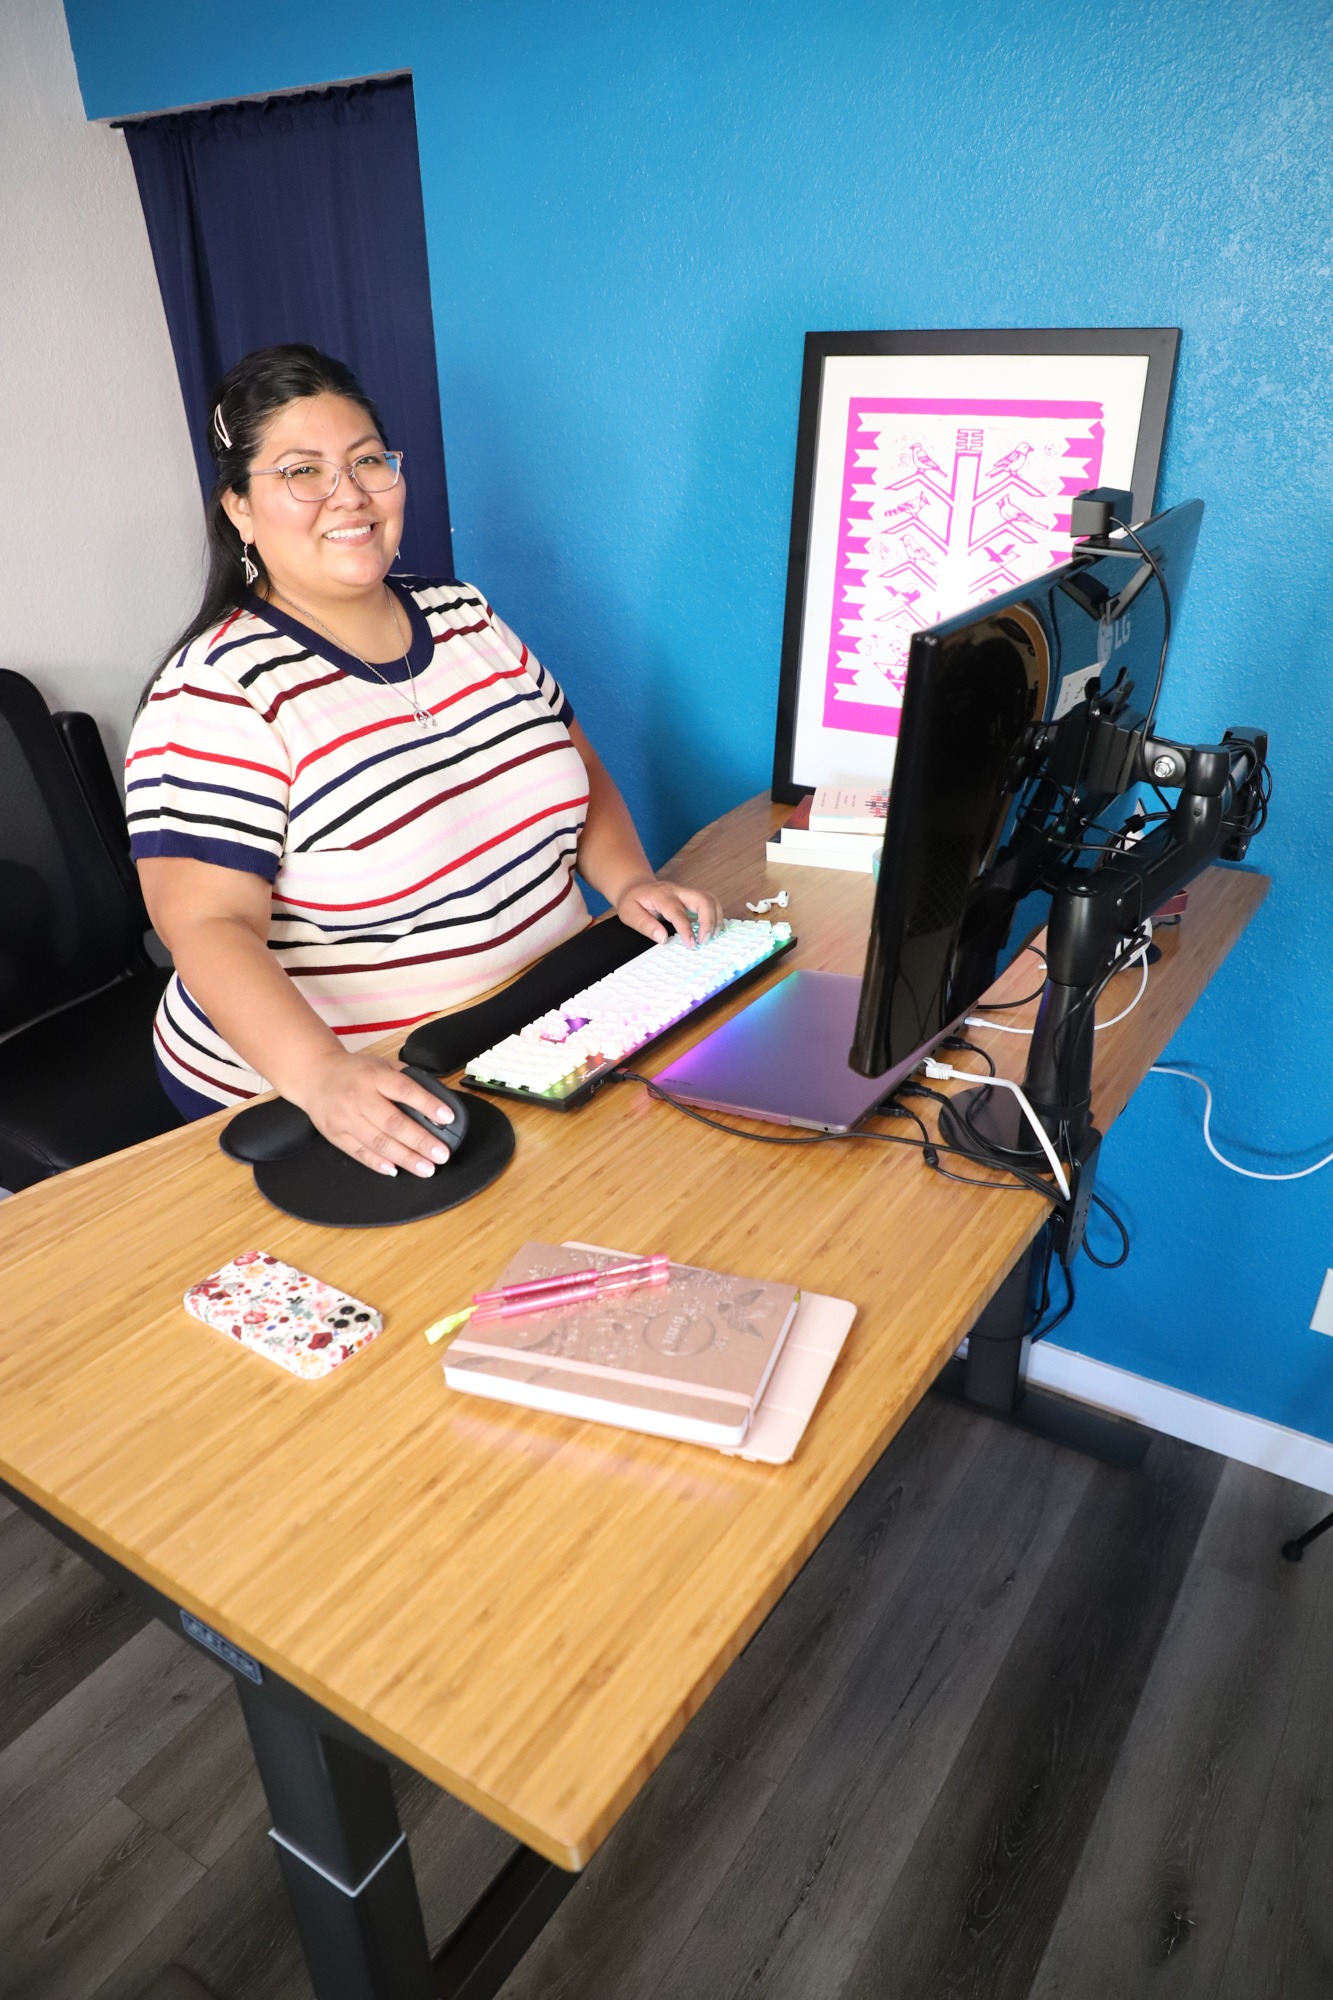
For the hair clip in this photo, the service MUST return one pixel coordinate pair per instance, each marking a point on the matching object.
(224, 435)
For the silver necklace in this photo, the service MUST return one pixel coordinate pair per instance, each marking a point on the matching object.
(421, 716)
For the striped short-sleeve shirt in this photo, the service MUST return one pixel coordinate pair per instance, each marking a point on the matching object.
(411, 868)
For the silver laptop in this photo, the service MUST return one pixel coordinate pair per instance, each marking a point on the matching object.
(784, 1058)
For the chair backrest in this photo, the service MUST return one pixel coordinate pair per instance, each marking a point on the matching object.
(66, 925)
(105, 797)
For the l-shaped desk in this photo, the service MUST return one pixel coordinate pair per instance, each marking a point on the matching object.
(526, 1609)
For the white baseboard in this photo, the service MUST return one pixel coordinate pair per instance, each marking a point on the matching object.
(1253, 1440)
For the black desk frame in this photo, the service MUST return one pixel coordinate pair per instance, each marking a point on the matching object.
(992, 1378)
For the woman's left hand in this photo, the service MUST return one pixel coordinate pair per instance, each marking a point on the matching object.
(658, 908)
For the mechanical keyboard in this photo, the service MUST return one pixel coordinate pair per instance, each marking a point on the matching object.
(566, 1053)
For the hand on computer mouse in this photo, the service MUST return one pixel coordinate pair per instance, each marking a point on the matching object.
(448, 1121)
(381, 1115)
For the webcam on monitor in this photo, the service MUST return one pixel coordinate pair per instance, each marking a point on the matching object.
(1093, 514)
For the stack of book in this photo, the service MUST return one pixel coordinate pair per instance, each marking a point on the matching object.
(838, 826)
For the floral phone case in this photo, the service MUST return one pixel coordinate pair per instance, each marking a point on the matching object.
(301, 1323)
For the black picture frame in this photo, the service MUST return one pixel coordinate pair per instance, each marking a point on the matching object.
(1159, 346)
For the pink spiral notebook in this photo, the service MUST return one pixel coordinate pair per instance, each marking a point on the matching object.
(710, 1358)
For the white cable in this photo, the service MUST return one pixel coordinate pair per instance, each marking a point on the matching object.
(1002, 1027)
(947, 1071)
(1143, 988)
(1169, 1069)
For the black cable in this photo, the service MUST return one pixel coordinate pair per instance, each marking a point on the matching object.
(1115, 841)
(1052, 1194)
(1040, 1332)
(915, 1088)
(1043, 1303)
(1152, 563)
(1021, 1183)
(961, 1042)
(988, 1154)
(983, 1156)
(1262, 778)
(1109, 1263)
(891, 1108)
(1006, 1006)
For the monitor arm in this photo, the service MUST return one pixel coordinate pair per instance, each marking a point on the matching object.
(1096, 911)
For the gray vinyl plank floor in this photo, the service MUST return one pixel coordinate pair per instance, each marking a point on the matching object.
(1024, 1728)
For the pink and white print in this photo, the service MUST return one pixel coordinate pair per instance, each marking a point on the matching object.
(944, 502)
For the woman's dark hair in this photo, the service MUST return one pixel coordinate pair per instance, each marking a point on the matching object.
(240, 409)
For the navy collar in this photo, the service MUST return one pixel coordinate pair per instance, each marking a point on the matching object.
(419, 656)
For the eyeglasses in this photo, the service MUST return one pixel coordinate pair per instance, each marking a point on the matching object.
(317, 478)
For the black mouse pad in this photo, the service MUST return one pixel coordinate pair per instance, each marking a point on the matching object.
(325, 1185)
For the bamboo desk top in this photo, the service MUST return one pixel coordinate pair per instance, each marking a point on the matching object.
(527, 1609)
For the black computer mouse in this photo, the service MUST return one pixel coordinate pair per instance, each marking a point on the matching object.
(272, 1131)
(451, 1135)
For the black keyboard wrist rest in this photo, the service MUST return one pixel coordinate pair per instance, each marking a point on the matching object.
(451, 1042)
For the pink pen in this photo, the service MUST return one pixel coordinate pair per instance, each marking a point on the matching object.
(570, 1288)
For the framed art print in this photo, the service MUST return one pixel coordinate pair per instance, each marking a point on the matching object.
(934, 470)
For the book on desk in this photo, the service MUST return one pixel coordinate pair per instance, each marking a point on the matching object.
(807, 839)
(737, 1363)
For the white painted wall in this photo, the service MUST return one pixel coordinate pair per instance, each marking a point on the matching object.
(101, 555)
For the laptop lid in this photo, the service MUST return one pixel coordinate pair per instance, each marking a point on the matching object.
(784, 1058)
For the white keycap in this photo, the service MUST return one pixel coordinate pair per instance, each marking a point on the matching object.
(626, 1008)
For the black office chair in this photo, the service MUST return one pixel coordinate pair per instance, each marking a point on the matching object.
(78, 988)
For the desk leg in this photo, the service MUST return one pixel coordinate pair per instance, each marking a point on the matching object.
(993, 1379)
(343, 1857)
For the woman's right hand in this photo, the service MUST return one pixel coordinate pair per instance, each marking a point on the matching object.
(353, 1100)
(215, 922)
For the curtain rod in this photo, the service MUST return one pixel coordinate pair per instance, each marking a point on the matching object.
(251, 97)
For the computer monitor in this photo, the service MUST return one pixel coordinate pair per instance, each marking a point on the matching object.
(1027, 735)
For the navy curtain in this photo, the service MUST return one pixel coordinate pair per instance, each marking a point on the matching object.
(300, 218)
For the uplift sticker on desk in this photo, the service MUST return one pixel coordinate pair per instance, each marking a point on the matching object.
(230, 1656)
(298, 1321)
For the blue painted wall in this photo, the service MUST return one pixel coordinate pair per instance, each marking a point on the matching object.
(634, 213)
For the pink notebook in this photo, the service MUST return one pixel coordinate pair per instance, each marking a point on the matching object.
(689, 1359)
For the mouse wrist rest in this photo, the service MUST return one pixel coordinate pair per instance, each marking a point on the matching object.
(266, 1132)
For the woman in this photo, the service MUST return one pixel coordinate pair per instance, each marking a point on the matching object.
(354, 801)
